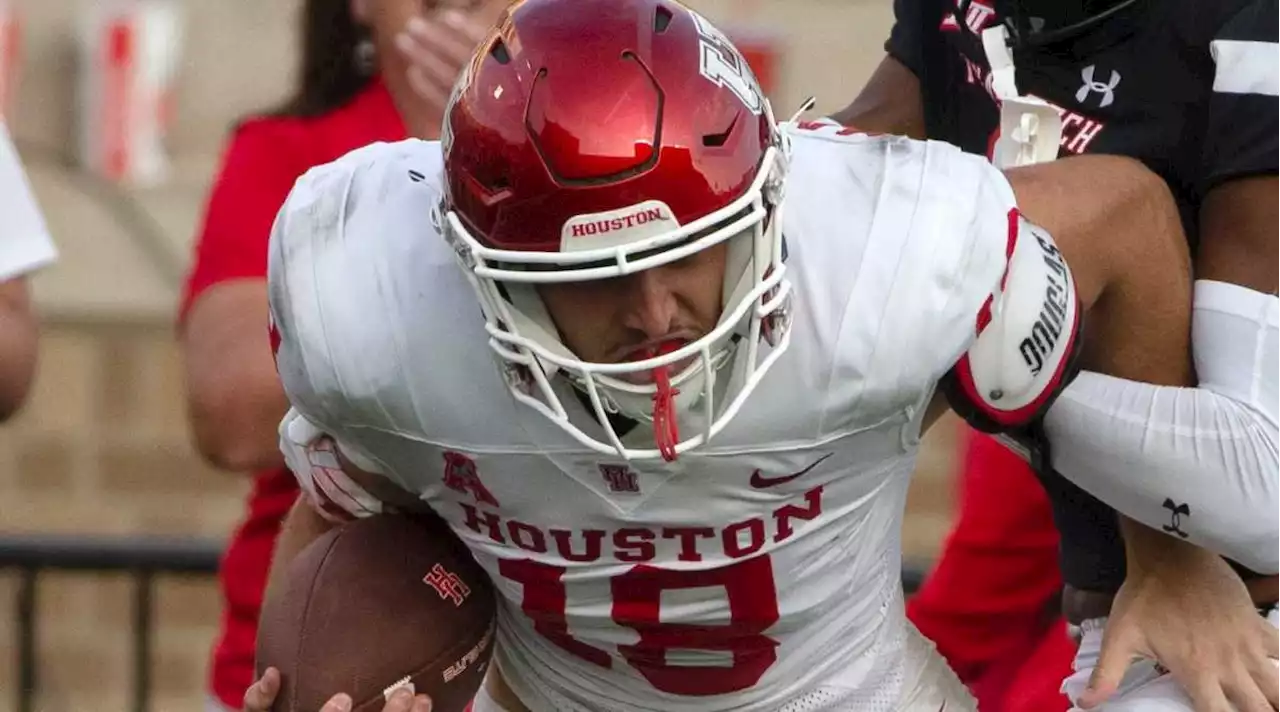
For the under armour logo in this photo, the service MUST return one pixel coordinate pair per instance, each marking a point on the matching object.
(1177, 512)
(1090, 86)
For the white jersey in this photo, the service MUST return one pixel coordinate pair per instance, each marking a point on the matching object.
(760, 572)
(25, 245)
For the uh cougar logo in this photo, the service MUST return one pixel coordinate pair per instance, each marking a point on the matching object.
(1092, 86)
(723, 65)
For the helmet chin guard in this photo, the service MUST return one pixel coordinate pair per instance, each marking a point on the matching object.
(756, 308)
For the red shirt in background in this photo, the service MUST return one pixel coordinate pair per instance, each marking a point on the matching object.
(990, 603)
(263, 159)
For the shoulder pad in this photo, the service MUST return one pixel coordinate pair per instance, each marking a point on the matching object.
(1027, 345)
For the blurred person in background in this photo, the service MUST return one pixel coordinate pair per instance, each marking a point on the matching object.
(1189, 89)
(354, 87)
(25, 246)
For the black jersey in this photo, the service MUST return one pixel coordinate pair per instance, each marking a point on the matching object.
(1186, 86)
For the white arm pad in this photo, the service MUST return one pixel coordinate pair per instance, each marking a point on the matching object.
(1027, 337)
(1199, 463)
(312, 456)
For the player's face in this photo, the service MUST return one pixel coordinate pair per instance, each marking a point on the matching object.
(631, 318)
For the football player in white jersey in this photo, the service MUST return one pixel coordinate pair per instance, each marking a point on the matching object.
(685, 466)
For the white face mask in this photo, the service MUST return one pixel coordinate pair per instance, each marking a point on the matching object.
(757, 298)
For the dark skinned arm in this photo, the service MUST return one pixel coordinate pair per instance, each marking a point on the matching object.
(889, 103)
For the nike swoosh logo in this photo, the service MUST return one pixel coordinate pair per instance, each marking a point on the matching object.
(761, 482)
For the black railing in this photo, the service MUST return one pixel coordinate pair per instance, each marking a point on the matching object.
(143, 558)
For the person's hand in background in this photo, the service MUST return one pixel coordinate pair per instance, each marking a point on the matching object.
(437, 44)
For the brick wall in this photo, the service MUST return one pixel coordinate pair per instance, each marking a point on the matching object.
(103, 449)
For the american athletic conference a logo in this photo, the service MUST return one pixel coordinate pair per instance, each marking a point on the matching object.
(1092, 86)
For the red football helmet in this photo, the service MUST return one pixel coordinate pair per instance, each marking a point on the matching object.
(589, 139)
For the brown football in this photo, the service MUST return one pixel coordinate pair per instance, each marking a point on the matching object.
(374, 604)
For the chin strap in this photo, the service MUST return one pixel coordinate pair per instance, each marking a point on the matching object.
(666, 431)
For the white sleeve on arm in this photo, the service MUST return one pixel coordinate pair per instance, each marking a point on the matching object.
(311, 308)
(25, 245)
(1200, 463)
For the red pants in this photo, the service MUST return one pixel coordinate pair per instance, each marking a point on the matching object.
(988, 603)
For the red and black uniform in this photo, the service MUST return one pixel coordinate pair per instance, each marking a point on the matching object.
(1143, 79)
